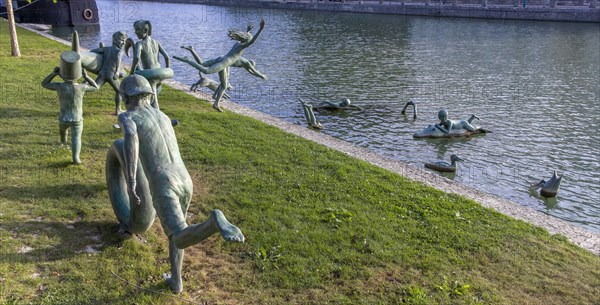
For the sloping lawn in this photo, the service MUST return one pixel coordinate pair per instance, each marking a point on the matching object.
(321, 227)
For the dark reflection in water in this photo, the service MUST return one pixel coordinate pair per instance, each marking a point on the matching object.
(535, 84)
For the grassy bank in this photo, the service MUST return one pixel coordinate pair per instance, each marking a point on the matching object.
(321, 227)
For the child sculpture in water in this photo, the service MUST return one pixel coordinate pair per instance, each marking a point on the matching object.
(232, 58)
(446, 125)
(146, 175)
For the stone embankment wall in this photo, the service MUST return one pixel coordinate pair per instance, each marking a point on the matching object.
(550, 10)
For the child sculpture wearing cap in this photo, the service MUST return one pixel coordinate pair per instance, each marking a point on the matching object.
(145, 175)
(70, 96)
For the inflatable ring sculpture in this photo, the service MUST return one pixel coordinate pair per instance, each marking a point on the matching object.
(139, 217)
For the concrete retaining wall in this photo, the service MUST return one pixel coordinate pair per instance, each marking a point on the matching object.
(436, 8)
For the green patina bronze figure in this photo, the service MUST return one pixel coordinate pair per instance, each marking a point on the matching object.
(549, 189)
(146, 52)
(442, 166)
(337, 105)
(410, 103)
(70, 96)
(450, 128)
(204, 81)
(145, 175)
(111, 68)
(233, 58)
(309, 114)
(446, 125)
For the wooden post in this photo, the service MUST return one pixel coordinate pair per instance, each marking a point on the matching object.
(14, 42)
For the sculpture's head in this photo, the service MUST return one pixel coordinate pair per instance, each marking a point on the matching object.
(345, 103)
(443, 115)
(142, 28)
(240, 36)
(119, 39)
(136, 91)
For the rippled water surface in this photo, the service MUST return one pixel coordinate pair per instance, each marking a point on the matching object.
(535, 84)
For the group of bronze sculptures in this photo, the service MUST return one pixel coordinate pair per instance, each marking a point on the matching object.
(446, 128)
(145, 173)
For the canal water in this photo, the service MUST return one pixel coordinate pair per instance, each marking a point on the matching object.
(536, 85)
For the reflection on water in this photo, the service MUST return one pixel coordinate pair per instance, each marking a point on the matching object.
(534, 84)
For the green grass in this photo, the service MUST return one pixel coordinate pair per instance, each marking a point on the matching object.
(321, 227)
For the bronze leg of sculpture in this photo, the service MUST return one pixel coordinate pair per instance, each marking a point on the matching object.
(115, 83)
(224, 78)
(76, 131)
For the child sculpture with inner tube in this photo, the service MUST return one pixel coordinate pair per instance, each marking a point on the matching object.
(145, 175)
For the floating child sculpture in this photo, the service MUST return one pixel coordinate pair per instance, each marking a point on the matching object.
(145, 175)
(549, 188)
(450, 128)
(233, 58)
(70, 96)
(338, 105)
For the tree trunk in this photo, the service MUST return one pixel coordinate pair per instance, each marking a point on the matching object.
(14, 42)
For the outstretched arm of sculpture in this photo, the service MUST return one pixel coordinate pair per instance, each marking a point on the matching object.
(99, 50)
(90, 81)
(131, 152)
(165, 55)
(46, 82)
(261, 28)
(191, 49)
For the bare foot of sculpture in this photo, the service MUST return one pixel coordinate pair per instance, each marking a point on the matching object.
(175, 283)
(216, 106)
(228, 231)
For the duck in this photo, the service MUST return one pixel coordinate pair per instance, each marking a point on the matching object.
(549, 188)
(442, 166)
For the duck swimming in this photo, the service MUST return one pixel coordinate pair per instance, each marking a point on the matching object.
(550, 187)
(442, 166)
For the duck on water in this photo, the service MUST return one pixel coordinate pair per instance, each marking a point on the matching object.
(442, 166)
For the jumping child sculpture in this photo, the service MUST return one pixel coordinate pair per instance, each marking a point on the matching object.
(233, 58)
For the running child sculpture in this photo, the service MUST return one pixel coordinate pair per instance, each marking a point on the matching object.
(111, 69)
(70, 96)
(145, 175)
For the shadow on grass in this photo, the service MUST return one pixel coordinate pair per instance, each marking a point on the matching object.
(12, 113)
(74, 191)
(77, 238)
